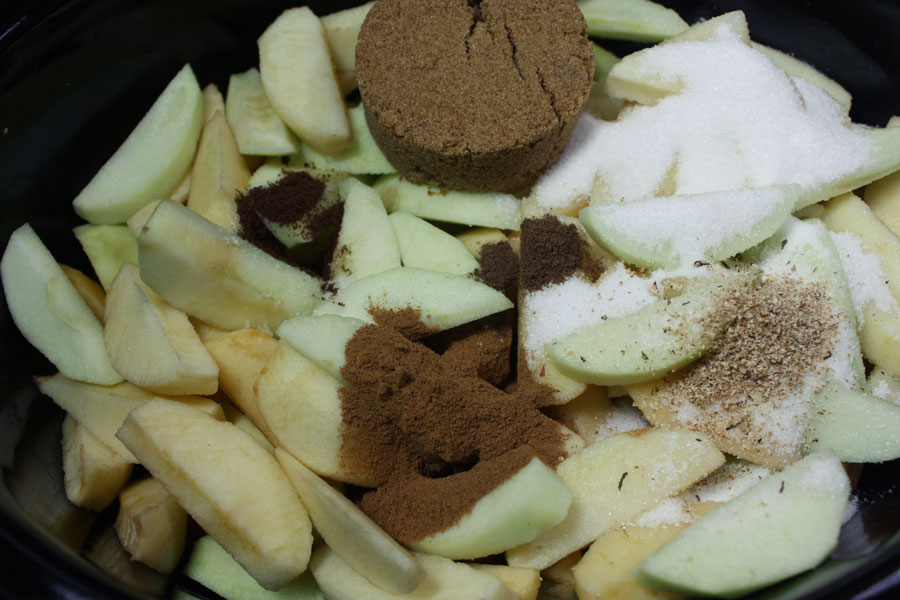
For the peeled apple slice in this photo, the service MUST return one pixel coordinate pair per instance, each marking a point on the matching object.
(152, 160)
(635, 20)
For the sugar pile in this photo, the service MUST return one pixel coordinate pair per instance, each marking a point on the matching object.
(865, 277)
(722, 132)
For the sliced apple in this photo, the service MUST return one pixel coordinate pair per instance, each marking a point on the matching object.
(443, 579)
(857, 427)
(424, 246)
(365, 243)
(153, 158)
(151, 525)
(90, 291)
(524, 583)
(466, 208)
(258, 130)
(228, 483)
(517, 511)
(107, 247)
(883, 195)
(476, 239)
(219, 174)
(659, 338)
(635, 20)
(442, 300)
(93, 473)
(211, 274)
(299, 80)
(784, 525)
(797, 68)
(362, 157)
(211, 565)
(50, 313)
(103, 408)
(722, 225)
(616, 479)
(322, 339)
(351, 534)
(234, 416)
(152, 344)
(341, 32)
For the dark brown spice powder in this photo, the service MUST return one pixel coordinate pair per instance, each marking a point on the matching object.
(550, 252)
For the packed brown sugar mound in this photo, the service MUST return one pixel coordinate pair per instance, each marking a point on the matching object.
(478, 95)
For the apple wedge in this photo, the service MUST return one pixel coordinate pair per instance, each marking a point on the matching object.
(322, 339)
(103, 408)
(341, 32)
(365, 243)
(424, 246)
(351, 534)
(93, 473)
(212, 274)
(151, 525)
(452, 206)
(153, 158)
(524, 583)
(50, 312)
(362, 157)
(616, 479)
(634, 20)
(784, 525)
(219, 174)
(228, 483)
(531, 501)
(107, 247)
(258, 130)
(797, 68)
(658, 338)
(442, 300)
(299, 80)
(213, 567)
(152, 344)
(443, 579)
(90, 291)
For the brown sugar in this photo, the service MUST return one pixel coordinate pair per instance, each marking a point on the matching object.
(473, 94)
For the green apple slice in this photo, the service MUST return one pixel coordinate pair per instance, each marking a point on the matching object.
(228, 483)
(365, 243)
(857, 427)
(441, 299)
(212, 566)
(152, 344)
(50, 312)
(299, 80)
(784, 525)
(257, 128)
(443, 579)
(107, 247)
(797, 68)
(341, 32)
(452, 206)
(351, 534)
(322, 339)
(424, 246)
(634, 20)
(722, 224)
(93, 473)
(616, 479)
(517, 511)
(659, 338)
(152, 160)
(217, 277)
(363, 157)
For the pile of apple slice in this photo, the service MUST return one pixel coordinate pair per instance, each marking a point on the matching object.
(218, 367)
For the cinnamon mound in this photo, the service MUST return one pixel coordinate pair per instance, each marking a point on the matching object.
(473, 94)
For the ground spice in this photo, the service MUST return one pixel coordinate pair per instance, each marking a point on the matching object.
(410, 413)
(481, 348)
(550, 252)
(498, 267)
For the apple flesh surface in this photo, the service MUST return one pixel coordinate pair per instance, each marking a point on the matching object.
(258, 130)
(424, 246)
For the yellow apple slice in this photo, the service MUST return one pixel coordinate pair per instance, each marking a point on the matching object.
(50, 312)
(151, 525)
(615, 480)
(299, 80)
(524, 583)
(90, 291)
(107, 247)
(219, 174)
(152, 344)
(153, 158)
(443, 579)
(228, 483)
(341, 32)
(257, 128)
(351, 534)
(93, 473)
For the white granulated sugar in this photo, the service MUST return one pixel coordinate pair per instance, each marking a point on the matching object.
(713, 218)
(730, 481)
(670, 511)
(560, 309)
(739, 122)
(572, 176)
(882, 390)
(824, 474)
(621, 417)
(865, 277)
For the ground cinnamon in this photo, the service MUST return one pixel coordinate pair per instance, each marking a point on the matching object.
(551, 251)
